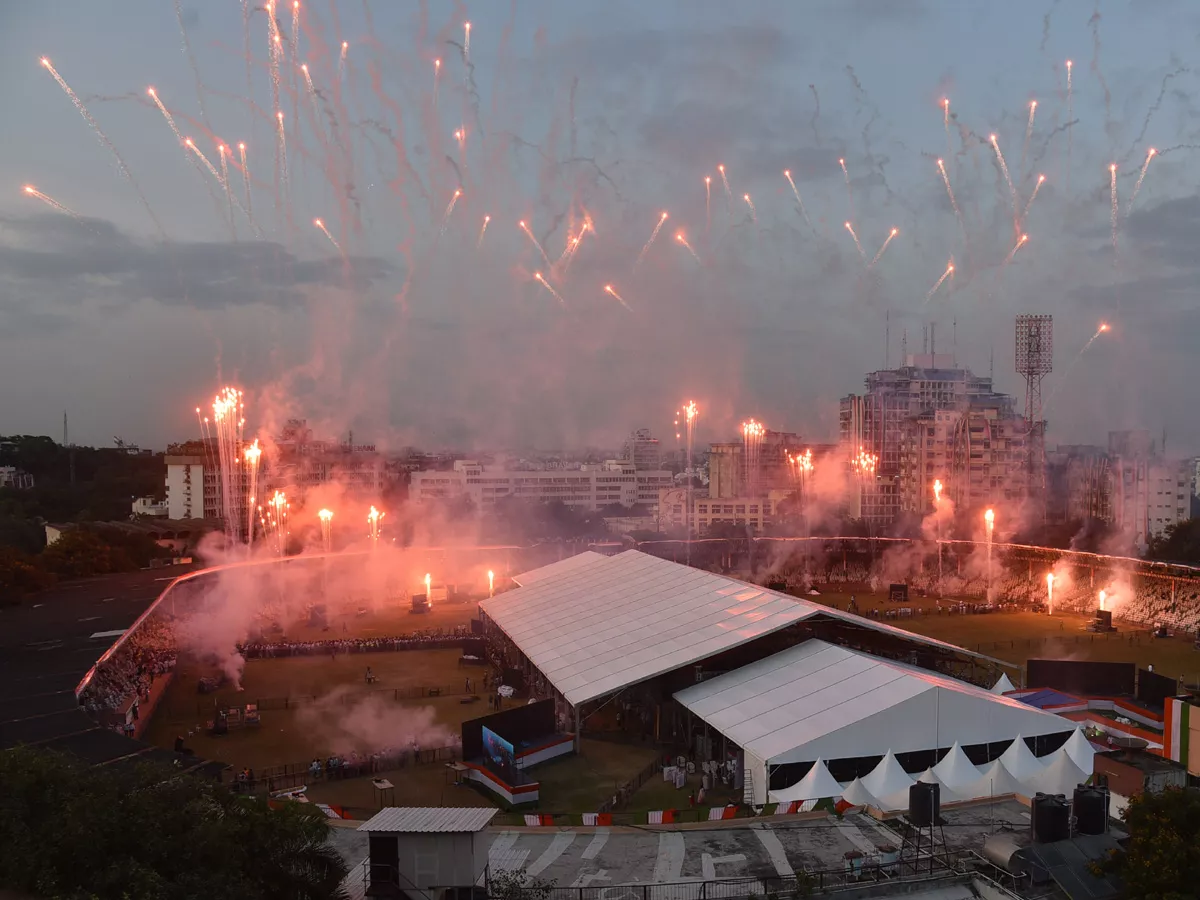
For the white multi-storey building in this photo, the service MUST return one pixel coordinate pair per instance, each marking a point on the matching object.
(590, 487)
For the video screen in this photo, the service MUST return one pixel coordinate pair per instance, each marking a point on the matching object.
(498, 754)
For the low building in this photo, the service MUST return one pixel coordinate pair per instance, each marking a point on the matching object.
(426, 852)
(754, 513)
(13, 478)
(149, 506)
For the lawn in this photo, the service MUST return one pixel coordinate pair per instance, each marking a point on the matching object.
(580, 783)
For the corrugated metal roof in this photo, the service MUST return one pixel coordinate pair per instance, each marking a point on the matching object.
(594, 624)
(821, 700)
(418, 819)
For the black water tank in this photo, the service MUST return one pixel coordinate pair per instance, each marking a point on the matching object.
(1050, 819)
(1091, 810)
(924, 804)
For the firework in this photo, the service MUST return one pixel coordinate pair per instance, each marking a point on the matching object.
(1012, 191)
(275, 522)
(1070, 118)
(1028, 133)
(1021, 241)
(941, 164)
(437, 77)
(482, 231)
(466, 41)
(752, 437)
(1112, 177)
(295, 42)
(428, 587)
(653, 234)
(326, 517)
(796, 193)
(1150, 154)
(1061, 381)
(728, 192)
(31, 191)
(750, 203)
(886, 241)
(191, 145)
(274, 51)
(374, 517)
(246, 184)
(228, 424)
(283, 163)
(342, 60)
(937, 284)
(707, 202)
(946, 125)
(166, 115)
(325, 231)
(544, 283)
(1037, 187)
(529, 234)
(612, 292)
(849, 191)
(450, 209)
(105, 142)
(682, 241)
(861, 251)
(225, 184)
(252, 455)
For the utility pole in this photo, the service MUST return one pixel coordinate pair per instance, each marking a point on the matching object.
(70, 448)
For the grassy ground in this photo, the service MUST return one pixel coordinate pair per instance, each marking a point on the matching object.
(1018, 636)
(390, 618)
(658, 794)
(579, 783)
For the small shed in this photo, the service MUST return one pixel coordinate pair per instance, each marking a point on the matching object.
(427, 853)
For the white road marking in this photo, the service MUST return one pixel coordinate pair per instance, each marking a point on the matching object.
(89, 619)
(585, 879)
(107, 634)
(668, 866)
(503, 856)
(708, 863)
(108, 599)
(857, 838)
(557, 847)
(774, 847)
(599, 839)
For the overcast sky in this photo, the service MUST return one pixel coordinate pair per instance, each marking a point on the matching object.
(413, 330)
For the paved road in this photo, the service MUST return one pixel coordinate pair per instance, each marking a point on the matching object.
(47, 645)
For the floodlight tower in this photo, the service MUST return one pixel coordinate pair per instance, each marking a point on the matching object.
(1035, 360)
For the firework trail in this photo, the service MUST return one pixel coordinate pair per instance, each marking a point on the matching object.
(753, 212)
(342, 60)
(946, 126)
(283, 160)
(482, 231)
(274, 51)
(611, 291)
(450, 209)
(31, 191)
(1021, 241)
(437, 77)
(861, 251)
(228, 191)
(653, 234)
(1150, 154)
(325, 231)
(1012, 191)
(246, 184)
(573, 243)
(796, 193)
(707, 202)
(103, 138)
(187, 49)
(295, 42)
(1070, 119)
(728, 192)
(1037, 187)
(1028, 134)
(950, 191)
(466, 42)
(849, 190)
(1099, 331)
(683, 242)
(529, 234)
(887, 240)
(544, 283)
(937, 284)
(191, 145)
(166, 115)
(1112, 173)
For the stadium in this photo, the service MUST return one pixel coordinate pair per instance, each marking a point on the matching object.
(253, 672)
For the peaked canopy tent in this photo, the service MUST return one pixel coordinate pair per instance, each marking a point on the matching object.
(817, 700)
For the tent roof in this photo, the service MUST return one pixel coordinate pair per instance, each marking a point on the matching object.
(1081, 751)
(856, 794)
(594, 624)
(818, 699)
(818, 784)
(1059, 776)
(1020, 761)
(888, 777)
(1003, 685)
(954, 770)
(994, 781)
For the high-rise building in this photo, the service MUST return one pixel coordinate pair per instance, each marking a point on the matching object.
(643, 450)
(891, 424)
(729, 472)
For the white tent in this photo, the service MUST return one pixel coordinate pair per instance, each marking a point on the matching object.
(1003, 686)
(818, 784)
(1060, 776)
(856, 794)
(1081, 751)
(955, 770)
(994, 781)
(1020, 761)
(946, 795)
(888, 777)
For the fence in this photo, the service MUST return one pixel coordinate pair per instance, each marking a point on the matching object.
(292, 775)
(912, 871)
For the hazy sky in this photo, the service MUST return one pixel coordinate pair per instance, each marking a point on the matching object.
(415, 330)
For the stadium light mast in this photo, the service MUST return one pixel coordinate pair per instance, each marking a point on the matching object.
(1050, 593)
(990, 518)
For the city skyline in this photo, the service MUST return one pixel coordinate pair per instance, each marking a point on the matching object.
(421, 328)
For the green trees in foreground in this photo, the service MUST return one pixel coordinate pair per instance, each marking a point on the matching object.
(147, 832)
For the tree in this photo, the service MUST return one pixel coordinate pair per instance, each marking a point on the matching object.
(73, 831)
(517, 884)
(1179, 543)
(20, 575)
(1160, 861)
(79, 553)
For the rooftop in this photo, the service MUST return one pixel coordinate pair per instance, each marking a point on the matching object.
(427, 820)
